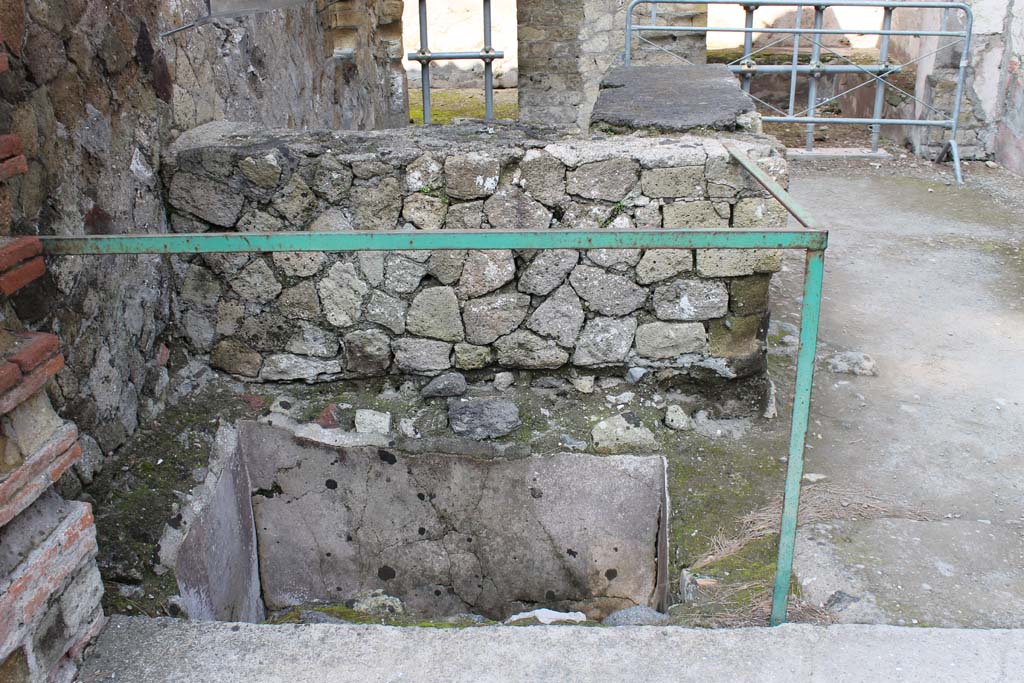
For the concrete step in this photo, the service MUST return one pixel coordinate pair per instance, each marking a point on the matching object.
(158, 650)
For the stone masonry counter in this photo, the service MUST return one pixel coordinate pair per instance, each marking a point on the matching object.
(317, 316)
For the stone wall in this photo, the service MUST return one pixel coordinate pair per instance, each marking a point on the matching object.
(314, 316)
(96, 95)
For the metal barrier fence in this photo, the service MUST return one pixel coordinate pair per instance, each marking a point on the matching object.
(488, 54)
(877, 74)
(813, 241)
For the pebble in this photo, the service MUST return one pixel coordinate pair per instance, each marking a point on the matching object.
(584, 384)
(504, 380)
(640, 615)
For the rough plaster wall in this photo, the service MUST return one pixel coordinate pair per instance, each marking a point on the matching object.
(1009, 142)
(96, 95)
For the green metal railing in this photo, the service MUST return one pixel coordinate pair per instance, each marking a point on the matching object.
(813, 241)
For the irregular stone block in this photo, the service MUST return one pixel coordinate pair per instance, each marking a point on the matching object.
(332, 180)
(609, 180)
(748, 295)
(543, 177)
(524, 349)
(485, 271)
(262, 171)
(691, 299)
(605, 341)
(341, 295)
(301, 301)
(424, 211)
(447, 265)
(623, 434)
(559, 317)
(235, 357)
(510, 209)
(367, 352)
(425, 173)
(465, 216)
(483, 418)
(759, 212)
(686, 182)
(615, 259)
(209, 200)
(402, 275)
(377, 206)
(661, 264)
(372, 421)
(299, 263)
(668, 340)
(547, 270)
(256, 282)
(434, 313)
(422, 355)
(471, 176)
(285, 366)
(386, 310)
(697, 214)
(313, 341)
(493, 316)
(296, 202)
(737, 262)
(605, 292)
(472, 357)
(448, 384)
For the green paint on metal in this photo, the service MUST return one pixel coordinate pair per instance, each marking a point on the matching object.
(205, 243)
(776, 190)
(809, 316)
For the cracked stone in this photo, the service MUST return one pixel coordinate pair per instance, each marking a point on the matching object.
(548, 270)
(486, 271)
(605, 341)
(435, 313)
(490, 317)
(559, 317)
(606, 292)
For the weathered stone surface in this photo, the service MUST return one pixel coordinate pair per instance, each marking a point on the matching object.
(447, 265)
(606, 292)
(648, 217)
(490, 317)
(696, 214)
(206, 199)
(661, 264)
(759, 212)
(691, 299)
(472, 357)
(678, 419)
(386, 310)
(421, 355)
(520, 514)
(377, 206)
(371, 265)
(735, 336)
(341, 295)
(511, 209)
(448, 384)
(311, 340)
(615, 259)
(609, 180)
(548, 270)
(586, 215)
(299, 263)
(524, 349)
(262, 171)
(674, 98)
(737, 262)
(256, 282)
(425, 173)
(259, 221)
(332, 220)
(668, 340)
(623, 433)
(686, 182)
(200, 287)
(402, 275)
(332, 180)
(465, 216)
(295, 202)
(543, 176)
(749, 295)
(301, 301)
(471, 176)
(367, 352)
(286, 366)
(434, 313)
(485, 271)
(559, 317)
(372, 421)
(638, 615)
(483, 418)
(424, 211)
(605, 341)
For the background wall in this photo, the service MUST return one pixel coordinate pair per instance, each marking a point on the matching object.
(96, 95)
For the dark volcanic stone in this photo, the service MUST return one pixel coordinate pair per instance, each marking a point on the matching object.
(483, 418)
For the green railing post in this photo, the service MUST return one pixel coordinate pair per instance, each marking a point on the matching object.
(810, 314)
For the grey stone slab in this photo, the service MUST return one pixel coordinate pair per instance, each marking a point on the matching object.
(140, 649)
(449, 534)
(671, 98)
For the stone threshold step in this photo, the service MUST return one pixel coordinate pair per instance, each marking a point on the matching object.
(156, 650)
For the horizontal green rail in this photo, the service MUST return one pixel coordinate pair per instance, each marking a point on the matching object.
(205, 243)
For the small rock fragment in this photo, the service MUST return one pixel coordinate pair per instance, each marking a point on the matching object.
(504, 380)
(639, 615)
(482, 418)
(853, 363)
(372, 422)
(622, 434)
(446, 385)
(676, 418)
